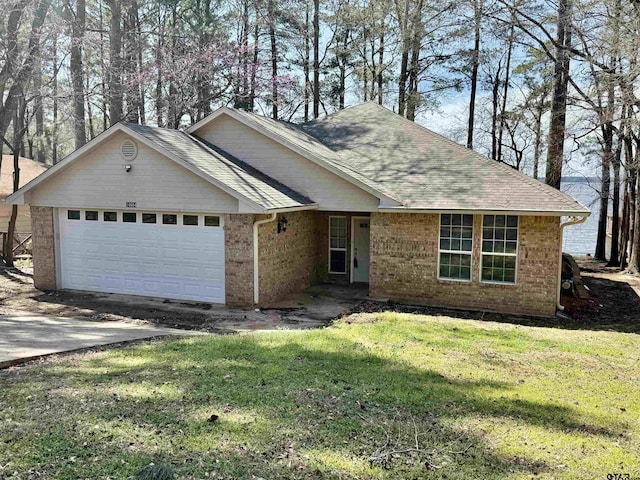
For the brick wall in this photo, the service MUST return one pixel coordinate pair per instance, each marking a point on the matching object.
(238, 240)
(44, 258)
(287, 260)
(404, 260)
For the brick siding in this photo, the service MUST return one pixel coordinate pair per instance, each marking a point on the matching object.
(44, 258)
(238, 245)
(404, 260)
(287, 259)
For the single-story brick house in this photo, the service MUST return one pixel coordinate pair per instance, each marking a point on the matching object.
(243, 210)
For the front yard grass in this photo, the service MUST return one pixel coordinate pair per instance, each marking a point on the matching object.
(381, 395)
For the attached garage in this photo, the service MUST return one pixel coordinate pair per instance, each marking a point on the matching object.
(158, 254)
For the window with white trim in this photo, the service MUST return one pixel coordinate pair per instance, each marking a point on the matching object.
(337, 244)
(456, 247)
(499, 248)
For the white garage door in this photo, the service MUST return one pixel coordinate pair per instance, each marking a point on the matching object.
(157, 254)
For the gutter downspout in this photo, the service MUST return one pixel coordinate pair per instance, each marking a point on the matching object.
(256, 273)
(571, 221)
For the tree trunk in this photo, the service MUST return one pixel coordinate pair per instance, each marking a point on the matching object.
(413, 99)
(537, 151)
(54, 89)
(342, 67)
(159, 72)
(140, 90)
(627, 203)
(307, 61)
(505, 92)
(20, 74)
(555, 150)
(18, 133)
(104, 71)
(92, 131)
(614, 255)
(274, 61)
(115, 56)
(381, 64)
(174, 111)
(78, 22)
(316, 58)
(634, 259)
(403, 21)
(495, 98)
(600, 253)
(39, 114)
(478, 7)
(256, 54)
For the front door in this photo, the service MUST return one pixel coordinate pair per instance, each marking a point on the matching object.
(360, 249)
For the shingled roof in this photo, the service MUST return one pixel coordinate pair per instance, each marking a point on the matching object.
(426, 171)
(232, 172)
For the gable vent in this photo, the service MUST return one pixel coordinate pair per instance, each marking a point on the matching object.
(128, 150)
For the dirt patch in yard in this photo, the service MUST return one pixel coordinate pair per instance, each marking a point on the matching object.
(614, 297)
(17, 294)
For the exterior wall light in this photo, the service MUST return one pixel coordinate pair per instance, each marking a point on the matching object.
(282, 224)
(127, 168)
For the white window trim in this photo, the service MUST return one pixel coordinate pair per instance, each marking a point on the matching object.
(493, 254)
(139, 213)
(458, 252)
(346, 260)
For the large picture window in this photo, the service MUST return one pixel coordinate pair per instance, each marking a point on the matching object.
(456, 247)
(499, 248)
(337, 244)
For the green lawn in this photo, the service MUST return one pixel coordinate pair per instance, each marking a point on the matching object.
(374, 396)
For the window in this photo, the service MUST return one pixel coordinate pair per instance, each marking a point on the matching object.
(73, 214)
(456, 247)
(148, 218)
(337, 244)
(210, 221)
(110, 217)
(129, 217)
(190, 220)
(91, 215)
(499, 248)
(169, 219)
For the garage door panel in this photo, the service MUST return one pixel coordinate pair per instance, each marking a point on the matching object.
(172, 261)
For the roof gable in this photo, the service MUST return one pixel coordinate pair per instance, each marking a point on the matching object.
(255, 193)
(296, 139)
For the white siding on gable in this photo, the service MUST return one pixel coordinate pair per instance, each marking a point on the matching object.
(322, 186)
(155, 182)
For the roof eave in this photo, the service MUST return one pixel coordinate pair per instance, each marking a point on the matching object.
(300, 208)
(484, 211)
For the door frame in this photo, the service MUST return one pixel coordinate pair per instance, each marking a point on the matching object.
(353, 237)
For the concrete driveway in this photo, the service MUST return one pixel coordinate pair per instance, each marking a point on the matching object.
(26, 336)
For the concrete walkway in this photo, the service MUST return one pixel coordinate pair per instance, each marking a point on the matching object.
(25, 337)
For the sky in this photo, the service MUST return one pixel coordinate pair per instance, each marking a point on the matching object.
(451, 119)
